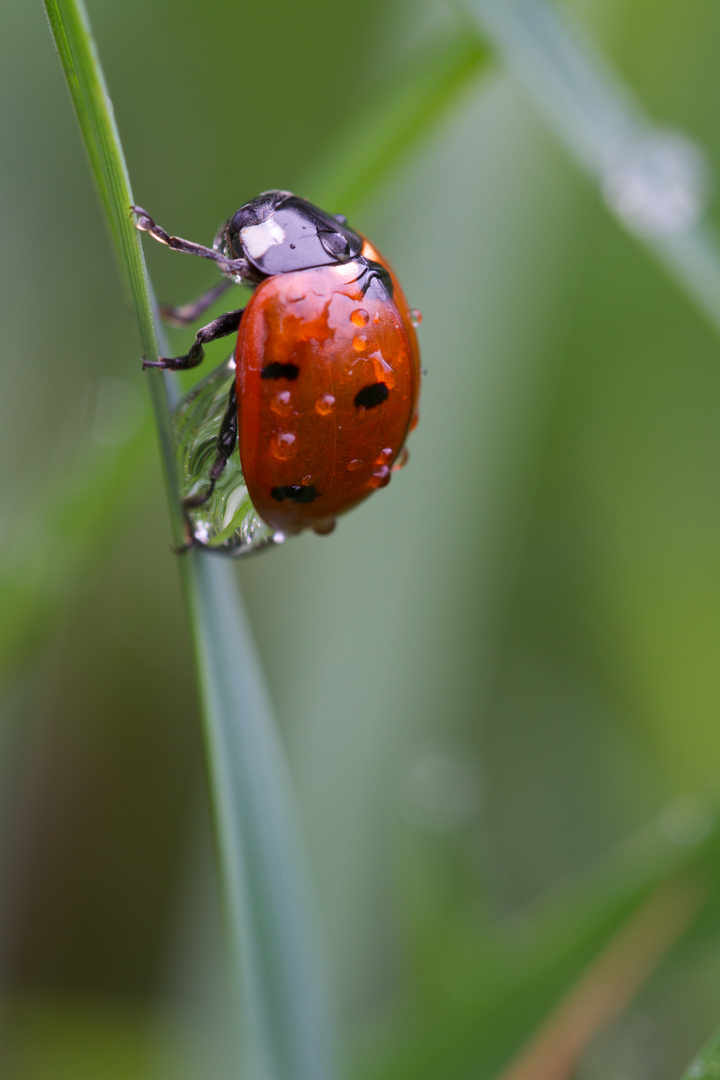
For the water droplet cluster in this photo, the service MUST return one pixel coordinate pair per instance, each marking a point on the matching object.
(227, 521)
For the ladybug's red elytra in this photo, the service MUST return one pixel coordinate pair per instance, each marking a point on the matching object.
(327, 361)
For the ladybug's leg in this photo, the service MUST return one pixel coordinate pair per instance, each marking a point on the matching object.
(226, 440)
(220, 327)
(143, 222)
(373, 272)
(187, 313)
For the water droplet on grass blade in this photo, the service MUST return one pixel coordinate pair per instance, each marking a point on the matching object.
(658, 185)
(227, 522)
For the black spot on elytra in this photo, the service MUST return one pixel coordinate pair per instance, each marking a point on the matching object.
(275, 370)
(295, 493)
(371, 395)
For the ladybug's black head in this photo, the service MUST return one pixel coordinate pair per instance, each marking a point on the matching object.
(278, 233)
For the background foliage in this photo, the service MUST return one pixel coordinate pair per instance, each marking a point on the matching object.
(491, 679)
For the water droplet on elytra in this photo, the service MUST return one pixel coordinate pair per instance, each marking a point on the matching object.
(384, 372)
(325, 404)
(323, 527)
(359, 317)
(402, 459)
(359, 342)
(384, 456)
(415, 316)
(281, 445)
(354, 464)
(196, 423)
(280, 404)
(380, 477)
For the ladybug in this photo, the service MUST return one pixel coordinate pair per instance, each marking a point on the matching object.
(326, 360)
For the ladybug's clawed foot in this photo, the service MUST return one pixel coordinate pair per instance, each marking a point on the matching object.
(189, 539)
(159, 363)
(181, 549)
(143, 221)
(190, 360)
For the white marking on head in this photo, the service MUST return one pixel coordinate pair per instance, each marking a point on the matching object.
(256, 239)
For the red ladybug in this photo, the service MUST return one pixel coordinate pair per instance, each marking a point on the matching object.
(327, 360)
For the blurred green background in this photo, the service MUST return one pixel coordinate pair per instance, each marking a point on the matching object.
(489, 677)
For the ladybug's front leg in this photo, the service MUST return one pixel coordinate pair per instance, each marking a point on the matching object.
(220, 327)
(226, 440)
(235, 267)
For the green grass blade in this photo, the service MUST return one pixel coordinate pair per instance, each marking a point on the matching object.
(81, 517)
(706, 1066)
(653, 180)
(507, 981)
(76, 47)
(263, 877)
(398, 117)
(272, 947)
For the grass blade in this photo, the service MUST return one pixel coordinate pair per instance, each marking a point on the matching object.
(73, 38)
(706, 1066)
(264, 881)
(653, 180)
(508, 981)
(396, 120)
(273, 955)
(606, 987)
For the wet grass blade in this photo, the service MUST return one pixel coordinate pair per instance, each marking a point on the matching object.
(273, 937)
(653, 180)
(706, 1066)
(76, 47)
(274, 960)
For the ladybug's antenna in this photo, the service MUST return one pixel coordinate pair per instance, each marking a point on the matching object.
(233, 267)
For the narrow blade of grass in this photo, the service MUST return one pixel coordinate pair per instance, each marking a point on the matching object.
(651, 179)
(264, 879)
(396, 120)
(706, 1066)
(507, 982)
(606, 987)
(73, 38)
(273, 954)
